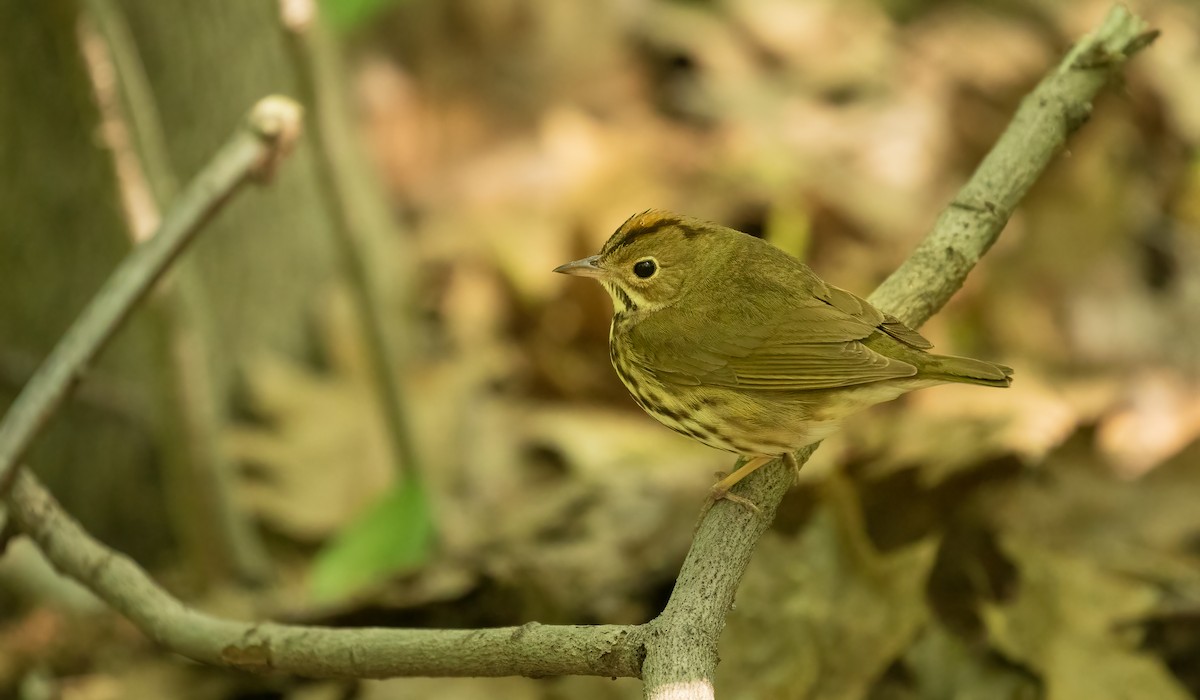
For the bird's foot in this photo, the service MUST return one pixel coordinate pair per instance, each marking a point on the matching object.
(719, 493)
(741, 501)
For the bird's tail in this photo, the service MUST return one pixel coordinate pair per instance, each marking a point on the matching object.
(946, 368)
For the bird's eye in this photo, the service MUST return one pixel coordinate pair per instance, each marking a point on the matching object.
(645, 268)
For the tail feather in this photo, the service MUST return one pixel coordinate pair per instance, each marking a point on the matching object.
(966, 370)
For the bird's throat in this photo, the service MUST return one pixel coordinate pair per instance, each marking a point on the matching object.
(622, 302)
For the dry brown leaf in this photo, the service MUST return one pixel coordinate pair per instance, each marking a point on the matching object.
(1173, 64)
(1066, 623)
(320, 454)
(1161, 417)
(1144, 529)
(830, 44)
(945, 430)
(813, 619)
(588, 507)
(942, 666)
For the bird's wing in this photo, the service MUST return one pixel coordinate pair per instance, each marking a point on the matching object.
(861, 310)
(814, 344)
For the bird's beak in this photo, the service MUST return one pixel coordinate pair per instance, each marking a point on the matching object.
(582, 268)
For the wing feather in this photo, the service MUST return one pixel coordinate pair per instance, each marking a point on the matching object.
(813, 346)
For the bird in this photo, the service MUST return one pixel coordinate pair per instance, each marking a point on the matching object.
(730, 341)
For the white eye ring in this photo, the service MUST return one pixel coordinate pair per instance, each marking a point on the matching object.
(645, 268)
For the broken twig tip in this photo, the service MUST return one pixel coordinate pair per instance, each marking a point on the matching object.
(1141, 41)
(278, 121)
(297, 15)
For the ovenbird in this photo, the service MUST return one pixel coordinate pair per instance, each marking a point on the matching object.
(728, 340)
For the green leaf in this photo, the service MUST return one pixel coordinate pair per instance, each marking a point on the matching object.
(394, 535)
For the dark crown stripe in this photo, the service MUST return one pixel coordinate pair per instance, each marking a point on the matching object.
(631, 235)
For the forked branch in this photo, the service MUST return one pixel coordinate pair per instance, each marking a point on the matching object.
(675, 653)
(682, 658)
(253, 152)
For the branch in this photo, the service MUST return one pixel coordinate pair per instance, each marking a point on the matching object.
(359, 225)
(966, 229)
(252, 152)
(675, 653)
(216, 536)
(682, 656)
(316, 652)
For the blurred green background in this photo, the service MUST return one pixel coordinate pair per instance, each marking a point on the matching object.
(363, 398)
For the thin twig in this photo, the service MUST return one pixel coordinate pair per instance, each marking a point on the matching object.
(683, 650)
(321, 652)
(356, 230)
(253, 151)
(219, 537)
(145, 124)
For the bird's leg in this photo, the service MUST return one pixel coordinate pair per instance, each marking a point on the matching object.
(720, 490)
(790, 460)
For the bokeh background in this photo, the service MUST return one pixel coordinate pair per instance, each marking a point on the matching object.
(363, 398)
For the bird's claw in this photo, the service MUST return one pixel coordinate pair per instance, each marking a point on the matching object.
(717, 494)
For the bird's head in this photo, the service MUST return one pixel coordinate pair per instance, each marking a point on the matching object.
(651, 261)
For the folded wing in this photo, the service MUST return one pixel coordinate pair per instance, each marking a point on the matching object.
(815, 344)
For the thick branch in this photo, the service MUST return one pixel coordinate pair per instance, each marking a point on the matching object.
(317, 652)
(253, 151)
(682, 653)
